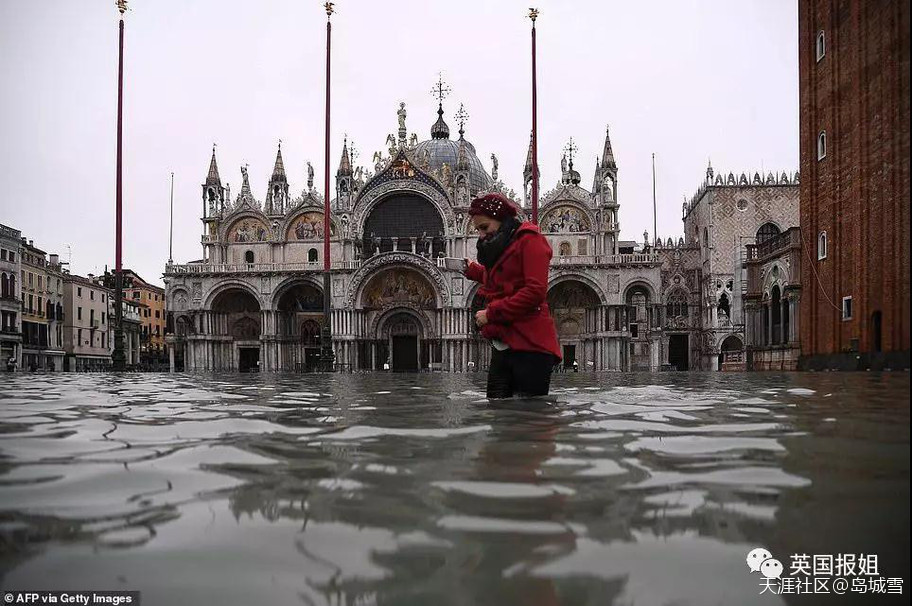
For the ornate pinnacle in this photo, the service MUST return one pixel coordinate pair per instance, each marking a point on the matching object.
(121, 6)
(570, 149)
(461, 117)
(533, 14)
(441, 91)
(329, 9)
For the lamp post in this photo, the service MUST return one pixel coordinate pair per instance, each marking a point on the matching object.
(533, 15)
(118, 357)
(327, 357)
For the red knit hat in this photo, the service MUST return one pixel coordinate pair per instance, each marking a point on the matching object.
(494, 205)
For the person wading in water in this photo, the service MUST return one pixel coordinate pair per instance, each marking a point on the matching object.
(512, 267)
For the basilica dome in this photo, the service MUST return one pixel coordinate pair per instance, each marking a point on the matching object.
(443, 150)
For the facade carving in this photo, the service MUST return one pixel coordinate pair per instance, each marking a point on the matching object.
(255, 300)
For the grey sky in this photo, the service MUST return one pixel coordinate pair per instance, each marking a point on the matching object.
(688, 80)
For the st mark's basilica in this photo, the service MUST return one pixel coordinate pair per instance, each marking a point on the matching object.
(255, 301)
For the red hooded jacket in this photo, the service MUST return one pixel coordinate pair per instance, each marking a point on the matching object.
(516, 293)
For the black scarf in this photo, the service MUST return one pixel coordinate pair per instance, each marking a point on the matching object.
(490, 248)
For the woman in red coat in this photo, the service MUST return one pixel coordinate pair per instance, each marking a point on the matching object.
(513, 261)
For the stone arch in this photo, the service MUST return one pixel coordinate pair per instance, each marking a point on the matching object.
(397, 219)
(289, 283)
(228, 285)
(180, 299)
(238, 314)
(565, 216)
(767, 231)
(401, 259)
(598, 290)
(367, 202)
(640, 282)
(306, 225)
(569, 302)
(730, 342)
(398, 286)
(247, 227)
(381, 321)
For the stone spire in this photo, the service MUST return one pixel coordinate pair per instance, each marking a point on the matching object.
(278, 171)
(214, 195)
(607, 154)
(345, 167)
(213, 177)
(277, 190)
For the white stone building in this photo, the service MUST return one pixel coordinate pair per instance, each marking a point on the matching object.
(255, 301)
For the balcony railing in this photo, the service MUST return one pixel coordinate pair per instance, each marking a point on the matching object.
(631, 259)
(790, 237)
(230, 268)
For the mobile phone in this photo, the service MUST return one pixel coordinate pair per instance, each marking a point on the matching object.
(451, 263)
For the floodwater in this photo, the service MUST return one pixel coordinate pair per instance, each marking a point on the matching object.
(363, 489)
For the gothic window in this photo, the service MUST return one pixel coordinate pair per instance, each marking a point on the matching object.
(724, 305)
(677, 305)
(248, 256)
(822, 245)
(312, 255)
(767, 232)
(821, 145)
(821, 45)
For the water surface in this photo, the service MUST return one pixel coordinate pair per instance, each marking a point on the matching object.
(411, 489)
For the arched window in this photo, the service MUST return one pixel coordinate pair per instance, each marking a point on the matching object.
(767, 232)
(312, 255)
(705, 237)
(248, 256)
(677, 305)
(822, 245)
(776, 313)
(821, 145)
(4, 290)
(821, 45)
(724, 305)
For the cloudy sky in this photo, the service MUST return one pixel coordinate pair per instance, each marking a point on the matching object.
(688, 80)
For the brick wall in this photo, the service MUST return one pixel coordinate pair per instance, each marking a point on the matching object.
(858, 93)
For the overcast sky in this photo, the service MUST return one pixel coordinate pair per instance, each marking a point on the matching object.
(688, 80)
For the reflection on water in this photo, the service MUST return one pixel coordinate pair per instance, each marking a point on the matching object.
(379, 489)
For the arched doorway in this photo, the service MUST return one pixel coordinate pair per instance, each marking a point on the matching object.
(299, 319)
(397, 301)
(574, 305)
(406, 222)
(402, 331)
(731, 354)
(236, 314)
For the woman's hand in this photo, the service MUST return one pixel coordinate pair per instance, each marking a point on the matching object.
(465, 265)
(481, 318)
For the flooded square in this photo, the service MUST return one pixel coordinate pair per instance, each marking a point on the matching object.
(413, 489)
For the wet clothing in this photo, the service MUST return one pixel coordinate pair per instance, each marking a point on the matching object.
(515, 291)
(520, 373)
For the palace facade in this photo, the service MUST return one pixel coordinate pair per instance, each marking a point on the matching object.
(255, 301)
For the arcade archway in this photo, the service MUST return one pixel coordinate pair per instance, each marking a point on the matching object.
(236, 314)
(574, 307)
(299, 320)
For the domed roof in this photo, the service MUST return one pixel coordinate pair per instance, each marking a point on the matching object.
(442, 150)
